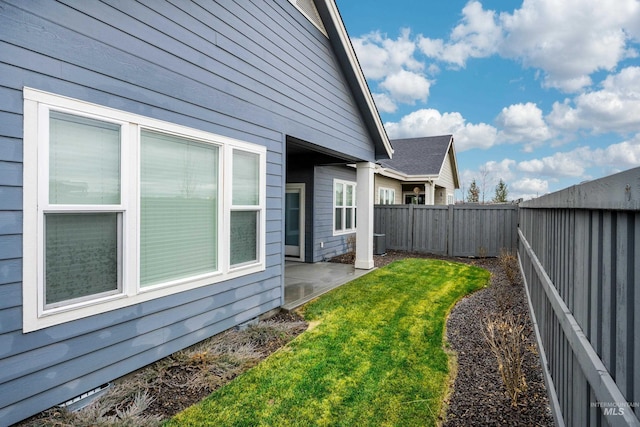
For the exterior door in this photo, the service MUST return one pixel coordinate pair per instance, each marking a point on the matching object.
(294, 221)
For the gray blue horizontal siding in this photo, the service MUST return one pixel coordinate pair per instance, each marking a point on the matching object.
(323, 212)
(256, 71)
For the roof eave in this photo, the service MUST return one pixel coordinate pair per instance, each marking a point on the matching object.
(343, 48)
(401, 176)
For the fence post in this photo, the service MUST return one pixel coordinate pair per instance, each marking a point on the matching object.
(410, 228)
(450, 231)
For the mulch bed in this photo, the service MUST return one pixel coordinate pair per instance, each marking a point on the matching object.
(479, 396)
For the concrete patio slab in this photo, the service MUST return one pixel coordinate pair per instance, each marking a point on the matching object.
(303, 281)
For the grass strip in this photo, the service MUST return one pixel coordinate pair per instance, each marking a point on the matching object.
(373, 356)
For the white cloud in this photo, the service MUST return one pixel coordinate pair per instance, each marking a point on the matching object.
(575, 163)
(523, 123)
(392, 64)
(624, 155)
(561, 164)
(429, 122)
(384, 103)
(406, 86)
(527, 188)
(477, 36)
(568, 39)
(501, 170)
(380, 56)
(615, 107)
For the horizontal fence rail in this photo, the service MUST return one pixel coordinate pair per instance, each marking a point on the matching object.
(454, 230)
(579, 252)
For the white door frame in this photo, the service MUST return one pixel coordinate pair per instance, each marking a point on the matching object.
(300, 188)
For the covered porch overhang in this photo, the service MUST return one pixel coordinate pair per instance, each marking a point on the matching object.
(301, 154)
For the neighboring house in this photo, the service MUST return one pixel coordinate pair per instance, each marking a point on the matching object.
(422, 170)
(158, 161)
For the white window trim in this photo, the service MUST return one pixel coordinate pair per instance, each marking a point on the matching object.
(355, 206)
(390, 192)
(36, 106)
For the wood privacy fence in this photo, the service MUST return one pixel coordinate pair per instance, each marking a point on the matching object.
(454, 230)
(579, 252)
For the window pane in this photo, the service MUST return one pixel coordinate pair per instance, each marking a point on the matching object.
(246, 185)
(339, 194)
(348, 218)
(178, 208)
(244, 237)
(81, 256)
(292, 219)
(84, 160)
(350, 198)
(338, 219)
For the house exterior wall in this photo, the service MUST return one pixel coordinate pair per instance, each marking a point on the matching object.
(250, 71)
(325, 243)
(386, 182)
(445, 180)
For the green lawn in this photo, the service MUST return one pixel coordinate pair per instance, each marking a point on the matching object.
(373, 356)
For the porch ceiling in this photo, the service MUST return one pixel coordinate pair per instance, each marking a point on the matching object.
(301, 152)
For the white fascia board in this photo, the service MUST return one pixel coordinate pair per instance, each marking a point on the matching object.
(392, 173)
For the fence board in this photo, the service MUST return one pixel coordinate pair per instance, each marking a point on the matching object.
(579, 253)
(454, 230)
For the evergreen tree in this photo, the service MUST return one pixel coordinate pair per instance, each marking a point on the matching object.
(502, 192)
(473, 195)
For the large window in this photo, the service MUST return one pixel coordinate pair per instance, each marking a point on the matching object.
(344, 207)
(120, 209)
(387, 196)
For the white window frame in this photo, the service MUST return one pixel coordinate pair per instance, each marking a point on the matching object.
(344, 207)
(386, 196)
(450, 200)
(37, 105)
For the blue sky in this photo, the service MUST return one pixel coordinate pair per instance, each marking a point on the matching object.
(541, 93)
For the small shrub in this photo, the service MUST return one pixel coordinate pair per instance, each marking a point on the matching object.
(351, 243)
(505, 336)
(482, 252)
(509, 263)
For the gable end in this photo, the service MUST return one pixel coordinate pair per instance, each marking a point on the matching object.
(310, 12)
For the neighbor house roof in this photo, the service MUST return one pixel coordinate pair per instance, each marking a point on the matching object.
(346, 55)
(422, 158)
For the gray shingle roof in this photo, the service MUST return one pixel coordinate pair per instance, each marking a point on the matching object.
(418, 156)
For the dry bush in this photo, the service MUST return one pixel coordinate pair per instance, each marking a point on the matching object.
(123, 406)
(505, 336)
(351, 243)
(203, 367)
(509, 263)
